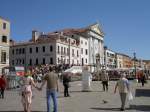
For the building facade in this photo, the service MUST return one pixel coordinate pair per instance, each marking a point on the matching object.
(91, 39)
(96, 45)
(109, 59)
(146, 64)
(127, 61)
(68, 46)
(4, 42)
(119, 60)
(46, 49)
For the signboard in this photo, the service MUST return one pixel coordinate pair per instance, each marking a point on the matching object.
(19, 68)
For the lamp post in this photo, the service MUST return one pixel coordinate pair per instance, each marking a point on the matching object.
(69, 48)
(134, 54)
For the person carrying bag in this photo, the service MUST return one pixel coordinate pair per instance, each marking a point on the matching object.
(123, 87)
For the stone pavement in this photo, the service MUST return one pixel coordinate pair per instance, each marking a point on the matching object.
(82, 101)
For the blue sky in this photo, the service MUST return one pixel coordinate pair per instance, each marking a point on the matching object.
(126, 23)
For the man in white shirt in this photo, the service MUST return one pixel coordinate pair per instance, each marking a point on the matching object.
(123, 87)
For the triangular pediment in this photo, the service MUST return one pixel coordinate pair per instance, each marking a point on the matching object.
(96, 28)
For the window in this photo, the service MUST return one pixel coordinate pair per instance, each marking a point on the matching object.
(77, 53)
(43, 61)
(3, 57)
(4, 39)
(51, 48)
(107, 54)
(72, 62)
(64, 50)
(67, 60)
(77, 62)
(72, 52)
(58, 50)
(51, 60)
(61, 50)
(67, 51)
(13, 51)
(81, 42)
(23, 61)
(17, 51)
(81, 50)
(82, 61)
(86, 51)
(19, 61)
(4, 25)
(43, 48)
(85, 43)
(23, 50)
(13, 62)
(30, 62)
(37, 49)
(86, 60)
(64, 61)
(20, 51)
(113, 55)
(58, 60)
(37, 61)
(30, 50)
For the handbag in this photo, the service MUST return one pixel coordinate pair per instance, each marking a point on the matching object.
(130, 96)
(136, 80)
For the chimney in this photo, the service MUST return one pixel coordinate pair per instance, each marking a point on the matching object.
(35, 35)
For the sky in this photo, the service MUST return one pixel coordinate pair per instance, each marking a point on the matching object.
(126, 23)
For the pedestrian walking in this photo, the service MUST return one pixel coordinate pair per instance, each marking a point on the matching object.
(2, 86)
(143, 78)
(104, 78)
(66, 80)
(26, 83)
(123, 87)
(52, 88)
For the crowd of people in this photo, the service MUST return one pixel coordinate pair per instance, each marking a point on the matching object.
(39, 71)
(49, 76)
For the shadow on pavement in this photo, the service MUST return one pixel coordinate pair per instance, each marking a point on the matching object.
(21, 111)
(106, 109)
(142, 92)
(84, 91)
(60, 96)
(80, 91)
(140, 107)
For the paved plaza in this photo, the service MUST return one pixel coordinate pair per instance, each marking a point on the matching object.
(82, 101)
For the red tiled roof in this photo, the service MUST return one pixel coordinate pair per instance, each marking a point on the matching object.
(70, 31)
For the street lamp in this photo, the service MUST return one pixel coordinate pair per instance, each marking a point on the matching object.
(134, 54)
